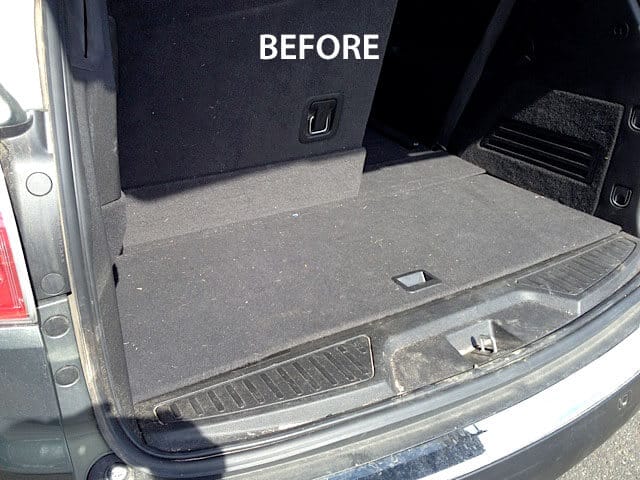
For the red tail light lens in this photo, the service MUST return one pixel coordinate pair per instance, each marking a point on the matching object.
(12, 303)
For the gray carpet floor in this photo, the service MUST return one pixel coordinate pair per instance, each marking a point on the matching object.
(202, 303)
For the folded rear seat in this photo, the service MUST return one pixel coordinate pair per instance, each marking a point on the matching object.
(203, 103)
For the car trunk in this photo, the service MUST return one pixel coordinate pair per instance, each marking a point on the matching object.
(229, 289)
(263, 271)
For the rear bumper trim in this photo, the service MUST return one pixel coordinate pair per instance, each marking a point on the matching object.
(609, 384)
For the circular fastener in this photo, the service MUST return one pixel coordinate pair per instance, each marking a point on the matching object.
(39, 184)
(118, 471)
(52, 283)
(620, 30)
(56, 326)
(67, 375)
(110, 467)
(623, 400)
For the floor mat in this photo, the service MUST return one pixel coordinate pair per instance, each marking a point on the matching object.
(200, 304)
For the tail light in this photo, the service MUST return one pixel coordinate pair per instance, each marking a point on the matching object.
(12, 304)
(16, 298)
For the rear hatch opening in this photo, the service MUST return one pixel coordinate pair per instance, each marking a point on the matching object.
(286, 241)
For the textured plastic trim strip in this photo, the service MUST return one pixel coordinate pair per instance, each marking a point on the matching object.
(577, 274)
(339, 365)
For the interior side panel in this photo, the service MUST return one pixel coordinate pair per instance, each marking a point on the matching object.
(552, 111)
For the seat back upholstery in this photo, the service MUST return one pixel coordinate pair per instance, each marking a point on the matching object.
(195, 99)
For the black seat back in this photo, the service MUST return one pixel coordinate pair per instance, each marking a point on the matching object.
(195, 98)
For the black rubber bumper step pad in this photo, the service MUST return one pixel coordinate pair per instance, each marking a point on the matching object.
(576, 275)
(336, 366)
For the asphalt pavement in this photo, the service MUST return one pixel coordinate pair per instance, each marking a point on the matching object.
(618, 458)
